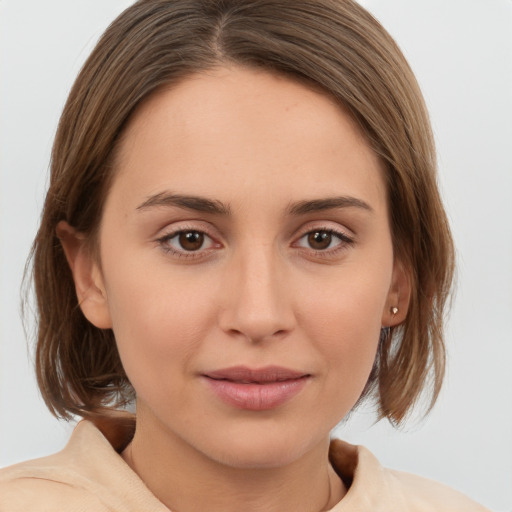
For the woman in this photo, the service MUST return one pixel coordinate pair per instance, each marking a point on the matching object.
(243, 231)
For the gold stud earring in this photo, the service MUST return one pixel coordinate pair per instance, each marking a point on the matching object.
(394, 310)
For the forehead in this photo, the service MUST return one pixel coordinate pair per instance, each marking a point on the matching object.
(239, 131)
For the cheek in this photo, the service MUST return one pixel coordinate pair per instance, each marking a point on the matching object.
(159, 322)
(344, 320)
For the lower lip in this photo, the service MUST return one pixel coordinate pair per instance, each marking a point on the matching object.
(256, 397)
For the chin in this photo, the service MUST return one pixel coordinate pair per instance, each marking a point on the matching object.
(263, 448)
(251, 455)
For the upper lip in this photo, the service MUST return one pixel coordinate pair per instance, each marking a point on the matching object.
(267, 374)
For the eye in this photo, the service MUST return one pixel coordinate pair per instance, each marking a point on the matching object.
(323, 240)
(186, 241)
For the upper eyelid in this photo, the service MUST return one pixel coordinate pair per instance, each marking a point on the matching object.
(166, 237)
(186, 225)
(343, 238)
(337, 232)
(206, 227)
(333, 227)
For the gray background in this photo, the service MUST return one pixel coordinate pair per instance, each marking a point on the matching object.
(461, 51)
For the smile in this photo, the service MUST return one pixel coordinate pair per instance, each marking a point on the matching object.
(256, 389)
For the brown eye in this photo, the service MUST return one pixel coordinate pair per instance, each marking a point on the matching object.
(319, 240)
(326, 241)
(188, 242)
(191, 240)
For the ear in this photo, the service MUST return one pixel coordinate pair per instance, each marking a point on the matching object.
(399, 296)
(90, 289)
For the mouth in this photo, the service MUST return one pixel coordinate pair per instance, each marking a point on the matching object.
(266, 375)
(256, 389)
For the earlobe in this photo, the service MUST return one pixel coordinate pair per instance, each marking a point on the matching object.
(89, 285)
(399, 296)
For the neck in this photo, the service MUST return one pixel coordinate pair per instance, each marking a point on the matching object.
(186, 480)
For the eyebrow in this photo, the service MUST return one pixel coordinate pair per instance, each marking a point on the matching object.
(213, 206)
(330, 203)
(196, 203)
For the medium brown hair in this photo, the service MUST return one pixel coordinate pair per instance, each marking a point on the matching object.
(335, 45)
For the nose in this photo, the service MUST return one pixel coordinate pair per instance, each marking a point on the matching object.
(257, 295)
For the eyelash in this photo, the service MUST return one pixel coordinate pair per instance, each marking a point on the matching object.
(344, 242)
(164, 243)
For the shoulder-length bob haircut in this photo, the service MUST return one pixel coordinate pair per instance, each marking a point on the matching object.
(334, 45)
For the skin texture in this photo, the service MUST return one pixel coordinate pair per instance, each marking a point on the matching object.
(259, 291)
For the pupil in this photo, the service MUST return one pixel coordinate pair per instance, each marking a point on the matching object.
(191, 240)
(319, 240)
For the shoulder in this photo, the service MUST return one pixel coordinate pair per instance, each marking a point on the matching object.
(425, 495)
(88, 475)
(41, 485)
(375, 488)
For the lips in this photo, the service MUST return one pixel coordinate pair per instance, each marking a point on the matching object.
(256, 389)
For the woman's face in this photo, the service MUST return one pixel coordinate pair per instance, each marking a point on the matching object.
(246, 265)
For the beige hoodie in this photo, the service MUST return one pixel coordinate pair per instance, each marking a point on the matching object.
(89, 475)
